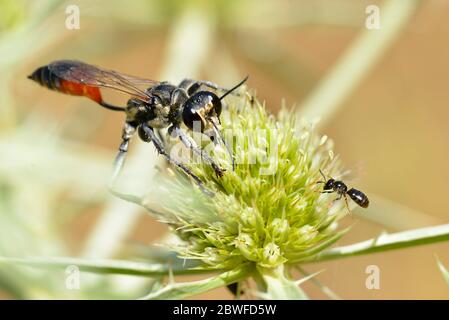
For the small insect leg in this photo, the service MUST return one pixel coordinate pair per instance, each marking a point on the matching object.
(347, 205)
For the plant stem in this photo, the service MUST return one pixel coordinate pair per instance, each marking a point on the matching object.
(396, 216)
(278, 286)
(387, 242)
(106, 266)
(357, 61)
(187, 289)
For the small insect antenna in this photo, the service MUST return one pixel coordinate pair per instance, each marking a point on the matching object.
(324, 177)
(225, 144)
(234, 88)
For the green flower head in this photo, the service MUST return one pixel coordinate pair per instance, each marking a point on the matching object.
(269, 210)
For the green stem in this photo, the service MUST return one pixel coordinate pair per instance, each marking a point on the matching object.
(278, 287)
(106, 266)
(387, 242)
(187, 289)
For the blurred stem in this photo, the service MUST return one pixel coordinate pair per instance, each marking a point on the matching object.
(106, 266)
(14, 289)
(444, 271)
(386, 242)
(397, 216)
(15, 46)
(357, 61)
(325, 289)
(291, 14)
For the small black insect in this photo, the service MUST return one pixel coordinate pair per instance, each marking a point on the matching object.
(339, 187)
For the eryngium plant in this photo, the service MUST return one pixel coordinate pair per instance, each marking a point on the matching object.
(265, 217)
(265, 214)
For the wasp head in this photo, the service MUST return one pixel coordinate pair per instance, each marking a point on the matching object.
(201, 111)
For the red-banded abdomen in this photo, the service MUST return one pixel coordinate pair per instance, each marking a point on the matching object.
(48, 79)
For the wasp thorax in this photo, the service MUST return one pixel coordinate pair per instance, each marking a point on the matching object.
(136, 110)
(199, 109)
(340, 187)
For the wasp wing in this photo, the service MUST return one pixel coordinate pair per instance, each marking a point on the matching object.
(90, 75)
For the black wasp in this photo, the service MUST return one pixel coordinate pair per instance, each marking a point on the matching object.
(339, 187)
(160, 105)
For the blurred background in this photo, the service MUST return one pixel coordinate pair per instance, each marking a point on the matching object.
(382, 95)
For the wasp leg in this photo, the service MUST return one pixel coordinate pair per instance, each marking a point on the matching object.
(128, 131)
(193, 86)
(179, 96)
(189, 86)
(216, 87)
(189, 143)
(147, 134)
(161, 136)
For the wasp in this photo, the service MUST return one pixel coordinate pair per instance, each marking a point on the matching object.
(160, 105)
(331, 185)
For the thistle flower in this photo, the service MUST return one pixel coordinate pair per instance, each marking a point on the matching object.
(268, 212)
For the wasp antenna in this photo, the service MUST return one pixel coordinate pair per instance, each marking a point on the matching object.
(225, 144)
(238, 85)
